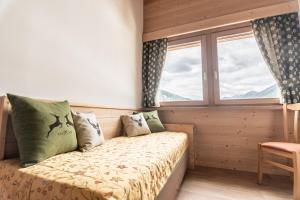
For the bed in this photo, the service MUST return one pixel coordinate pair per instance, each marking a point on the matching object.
(145, 167)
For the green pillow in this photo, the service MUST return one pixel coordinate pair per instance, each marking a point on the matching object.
(42, 129)
(153, 121)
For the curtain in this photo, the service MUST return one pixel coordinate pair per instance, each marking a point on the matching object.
(154, 55)
(278, 38)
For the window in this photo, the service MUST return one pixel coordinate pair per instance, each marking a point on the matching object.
(182, 80)
(215, 67)
(241, 72)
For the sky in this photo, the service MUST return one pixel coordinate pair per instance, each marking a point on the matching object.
(182, 73)
(241, 70)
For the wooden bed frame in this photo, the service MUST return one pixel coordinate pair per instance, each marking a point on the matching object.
(111, 125)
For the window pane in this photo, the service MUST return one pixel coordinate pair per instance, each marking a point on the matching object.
(182, 75)
(243, 74)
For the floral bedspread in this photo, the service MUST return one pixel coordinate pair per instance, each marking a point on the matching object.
(123, 168)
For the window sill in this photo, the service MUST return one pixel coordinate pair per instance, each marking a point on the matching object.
(266, 101)
(225, 107)
(183, 103)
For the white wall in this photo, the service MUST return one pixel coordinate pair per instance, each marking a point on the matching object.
(83, 51)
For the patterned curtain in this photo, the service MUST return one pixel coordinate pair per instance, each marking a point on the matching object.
(279, 41)
(154, 55)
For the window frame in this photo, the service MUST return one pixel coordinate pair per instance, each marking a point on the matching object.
(210, 72)
(233, 33)
(185, 43)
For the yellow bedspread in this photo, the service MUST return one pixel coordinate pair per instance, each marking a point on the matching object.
(123, 168)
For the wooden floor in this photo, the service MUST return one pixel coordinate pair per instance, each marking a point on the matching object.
(217, 184)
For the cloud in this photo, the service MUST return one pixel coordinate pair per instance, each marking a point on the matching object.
(184, 64)
(242, 68)
(183, 60)
(186, 84)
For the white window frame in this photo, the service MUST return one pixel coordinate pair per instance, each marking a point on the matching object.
(185, 43)
(210, 71)
(239, 32)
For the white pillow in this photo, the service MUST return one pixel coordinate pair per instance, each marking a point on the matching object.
(89, 133)
(135, 125)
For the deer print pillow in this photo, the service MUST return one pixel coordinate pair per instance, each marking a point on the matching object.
(89, 133)
(42, 129)
(153, 121)
(135, 125)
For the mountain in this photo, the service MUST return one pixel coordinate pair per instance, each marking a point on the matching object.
(169, 96)
(269, 92)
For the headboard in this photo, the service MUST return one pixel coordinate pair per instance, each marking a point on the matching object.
(109, 119)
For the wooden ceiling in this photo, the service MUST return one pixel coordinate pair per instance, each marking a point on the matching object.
(169, 14)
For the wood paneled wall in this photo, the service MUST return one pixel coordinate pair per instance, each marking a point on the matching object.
(227, 137)
(164, 18)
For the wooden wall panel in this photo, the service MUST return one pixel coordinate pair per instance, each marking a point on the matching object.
(171, 16)
(228, 137)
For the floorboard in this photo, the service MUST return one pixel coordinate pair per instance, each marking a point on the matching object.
(218, 184)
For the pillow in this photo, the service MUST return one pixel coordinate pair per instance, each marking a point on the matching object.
(153, 121)
(89, 133)
(135, 125)
(42, 129)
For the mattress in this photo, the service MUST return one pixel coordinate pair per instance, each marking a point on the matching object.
(123, 168)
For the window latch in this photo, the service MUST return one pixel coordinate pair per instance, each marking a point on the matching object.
(204, 76)
(216, 74)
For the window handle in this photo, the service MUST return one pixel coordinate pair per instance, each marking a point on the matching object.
(216, 75)
(204, 76)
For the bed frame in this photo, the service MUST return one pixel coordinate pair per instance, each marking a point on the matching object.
(112, 127)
